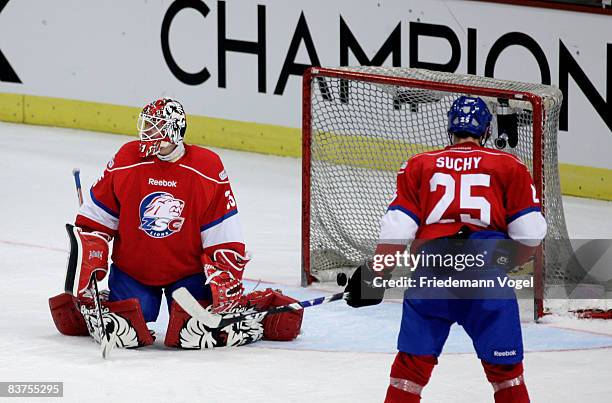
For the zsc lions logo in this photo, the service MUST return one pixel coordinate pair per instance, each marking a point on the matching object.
(160, 214)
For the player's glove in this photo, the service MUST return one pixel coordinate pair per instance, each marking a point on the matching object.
(221, 276)
(361, 290)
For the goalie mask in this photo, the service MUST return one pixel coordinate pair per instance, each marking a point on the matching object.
(161, 123)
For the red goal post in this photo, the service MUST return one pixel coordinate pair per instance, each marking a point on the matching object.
(359, 123)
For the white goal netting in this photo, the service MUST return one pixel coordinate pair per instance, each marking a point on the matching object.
(361, 123)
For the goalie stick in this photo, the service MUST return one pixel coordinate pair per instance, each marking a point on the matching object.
(107, 334)
(211, 320)
(76, 172)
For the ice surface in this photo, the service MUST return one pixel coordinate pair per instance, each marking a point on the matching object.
(343, 355)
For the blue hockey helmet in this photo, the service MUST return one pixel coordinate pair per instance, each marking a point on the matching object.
(469, 116)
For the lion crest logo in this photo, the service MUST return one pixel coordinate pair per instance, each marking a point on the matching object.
(160, 214)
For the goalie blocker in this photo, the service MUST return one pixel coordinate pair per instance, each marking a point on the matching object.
(74, 311)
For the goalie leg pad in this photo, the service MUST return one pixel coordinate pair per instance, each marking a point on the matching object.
(176, 323)
(67, 316)
(124, 317)
(188, 333)
(282, 326)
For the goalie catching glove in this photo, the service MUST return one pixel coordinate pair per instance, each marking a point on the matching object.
(223, 275)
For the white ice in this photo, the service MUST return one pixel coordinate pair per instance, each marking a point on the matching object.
(342, 355)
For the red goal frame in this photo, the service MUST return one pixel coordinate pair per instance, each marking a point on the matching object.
(538, 151)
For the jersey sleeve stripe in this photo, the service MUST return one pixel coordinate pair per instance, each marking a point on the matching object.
(397, 228)
(407, 212)
(95, 213)
(218, 220)
(522, 213)
(102, 206)
(96, 225)
(129, 166)
(529, 229)
(226, 231)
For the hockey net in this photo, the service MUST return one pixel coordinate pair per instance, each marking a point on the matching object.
(361, 123)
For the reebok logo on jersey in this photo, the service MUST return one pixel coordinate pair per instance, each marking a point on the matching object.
(157, 182)
(509, 353)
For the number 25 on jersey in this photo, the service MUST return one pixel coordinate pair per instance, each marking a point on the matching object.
(466, 199)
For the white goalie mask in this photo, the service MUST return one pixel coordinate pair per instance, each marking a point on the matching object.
(161, 121)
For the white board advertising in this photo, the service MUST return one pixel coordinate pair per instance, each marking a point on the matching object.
(242, 60)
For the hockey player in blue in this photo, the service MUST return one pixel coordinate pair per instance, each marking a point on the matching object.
(463, 200)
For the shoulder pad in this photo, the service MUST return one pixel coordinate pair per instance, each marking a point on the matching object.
(206, 163)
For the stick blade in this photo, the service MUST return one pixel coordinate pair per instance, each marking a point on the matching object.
(193, 308)
(107, 345)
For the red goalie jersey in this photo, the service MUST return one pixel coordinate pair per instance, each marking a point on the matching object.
(163, 215)
(464, 185)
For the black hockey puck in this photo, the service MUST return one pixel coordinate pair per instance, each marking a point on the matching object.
(341, 279)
